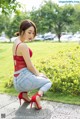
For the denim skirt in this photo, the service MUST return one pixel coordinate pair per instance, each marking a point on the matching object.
(27, 81)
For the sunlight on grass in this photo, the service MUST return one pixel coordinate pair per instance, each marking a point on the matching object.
(41, 50)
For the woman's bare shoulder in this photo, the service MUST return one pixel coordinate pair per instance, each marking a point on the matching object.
(23, 46)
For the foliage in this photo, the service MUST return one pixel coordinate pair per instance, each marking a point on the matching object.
(9, 84)
(63, 70)
(53, 18)
(3, 22)
(60, 62)
(9, 6)
(49, 17)
(15, 23)
(76, 20)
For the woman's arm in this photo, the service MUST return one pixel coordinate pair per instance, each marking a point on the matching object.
(25, 53)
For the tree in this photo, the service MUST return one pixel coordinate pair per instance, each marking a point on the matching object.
(76, 20)
(9, 6)
(52, 18)
(43, 17)
(4, 22)
(57, 17)
(63, 18)
(13, 26)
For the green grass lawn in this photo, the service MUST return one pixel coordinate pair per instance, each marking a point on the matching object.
(41, 50)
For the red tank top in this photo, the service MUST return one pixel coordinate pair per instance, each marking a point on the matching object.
(19, 61)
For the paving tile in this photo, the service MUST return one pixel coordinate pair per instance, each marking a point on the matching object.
(10, 109)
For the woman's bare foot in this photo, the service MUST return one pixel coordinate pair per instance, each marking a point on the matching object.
(38, 101)
(25, 95)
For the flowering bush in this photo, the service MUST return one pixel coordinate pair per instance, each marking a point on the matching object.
(63, 70)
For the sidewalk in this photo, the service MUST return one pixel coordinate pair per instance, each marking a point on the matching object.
(10, 109)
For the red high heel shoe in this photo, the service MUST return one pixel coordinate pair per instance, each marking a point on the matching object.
(21, 97)
(33, 99)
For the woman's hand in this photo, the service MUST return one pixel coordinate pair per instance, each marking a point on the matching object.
(42, 75)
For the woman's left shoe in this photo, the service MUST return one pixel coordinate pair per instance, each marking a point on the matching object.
(34, 99)
(20, 96)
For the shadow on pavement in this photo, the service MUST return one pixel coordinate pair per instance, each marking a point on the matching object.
(25, 112)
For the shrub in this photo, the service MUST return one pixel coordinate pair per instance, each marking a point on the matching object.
(63, 70)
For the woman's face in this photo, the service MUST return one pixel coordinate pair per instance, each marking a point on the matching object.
(29, 34)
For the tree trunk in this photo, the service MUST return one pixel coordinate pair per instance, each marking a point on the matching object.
(59, 36)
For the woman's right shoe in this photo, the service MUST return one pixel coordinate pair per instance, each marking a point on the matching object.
(20, 96)
(34, 99)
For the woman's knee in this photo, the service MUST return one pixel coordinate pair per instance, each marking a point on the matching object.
(49, 81)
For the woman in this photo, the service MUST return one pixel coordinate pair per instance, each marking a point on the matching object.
(26, 76)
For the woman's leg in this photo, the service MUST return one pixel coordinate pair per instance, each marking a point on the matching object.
(25, 95)
(38, 99)
(43, 85)
(27, 81)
